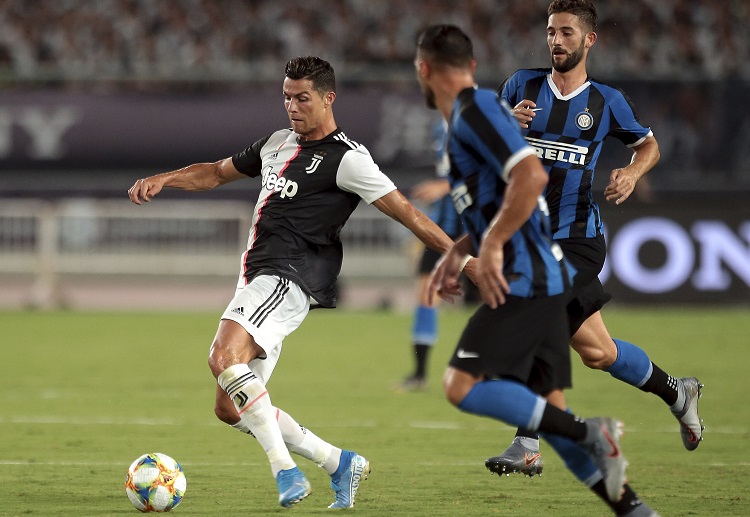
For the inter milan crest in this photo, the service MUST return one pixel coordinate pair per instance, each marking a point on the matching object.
(584, 120)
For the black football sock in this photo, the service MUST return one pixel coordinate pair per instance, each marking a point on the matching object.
(661, 384)
(556, 421)
(627, 503)
(421, 352)
(525, 433)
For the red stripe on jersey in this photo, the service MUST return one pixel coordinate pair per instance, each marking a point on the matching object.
(254, 231)
(244, 266)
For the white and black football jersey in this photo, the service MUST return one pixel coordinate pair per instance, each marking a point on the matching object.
(309, 189)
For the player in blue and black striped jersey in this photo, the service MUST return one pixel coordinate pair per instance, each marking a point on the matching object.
(514, 347)
(566, 115)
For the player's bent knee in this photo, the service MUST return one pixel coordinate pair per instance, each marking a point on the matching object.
(596, 359)
(456, 385)
(214, 359)
(214, 363)
(231, 345)
(454, 396)
(221, 357)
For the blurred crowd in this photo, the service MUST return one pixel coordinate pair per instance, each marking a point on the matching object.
(59, 39)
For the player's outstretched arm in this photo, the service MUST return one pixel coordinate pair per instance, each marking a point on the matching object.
(397, 207)
(622, 181)
(198, 176)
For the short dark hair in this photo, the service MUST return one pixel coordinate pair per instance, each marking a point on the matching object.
(318, 71)
(583, 9)
(446, 44)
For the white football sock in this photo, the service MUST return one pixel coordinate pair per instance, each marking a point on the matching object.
(254, 406)
(241, 427)
(304, 442)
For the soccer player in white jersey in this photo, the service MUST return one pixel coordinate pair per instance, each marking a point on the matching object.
(312, 178)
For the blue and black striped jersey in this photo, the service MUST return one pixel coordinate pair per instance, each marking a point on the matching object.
(442, 211)
(567, 134)
(484, 144)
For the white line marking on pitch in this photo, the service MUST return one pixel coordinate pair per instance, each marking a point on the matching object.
(442, 425)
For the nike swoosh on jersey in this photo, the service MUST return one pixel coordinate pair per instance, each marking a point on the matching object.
(463, 354)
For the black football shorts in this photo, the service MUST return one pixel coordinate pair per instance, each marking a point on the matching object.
(587, 256)
(525, 339)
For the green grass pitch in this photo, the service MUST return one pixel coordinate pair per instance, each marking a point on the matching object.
(84, 394)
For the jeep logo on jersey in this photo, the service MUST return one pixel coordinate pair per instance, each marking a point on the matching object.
(461, 198)
(314, 165)
(558, 151)
(276, 183)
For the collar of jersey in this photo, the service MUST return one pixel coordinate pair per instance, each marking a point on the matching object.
(569, 96)
(327, 138)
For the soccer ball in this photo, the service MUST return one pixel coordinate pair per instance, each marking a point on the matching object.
(155, 483)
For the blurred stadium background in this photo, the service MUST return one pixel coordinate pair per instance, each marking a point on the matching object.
(95, 94)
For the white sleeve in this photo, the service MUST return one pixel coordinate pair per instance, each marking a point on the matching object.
(359, 174)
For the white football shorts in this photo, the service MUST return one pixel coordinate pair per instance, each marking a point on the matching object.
(269, 308)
